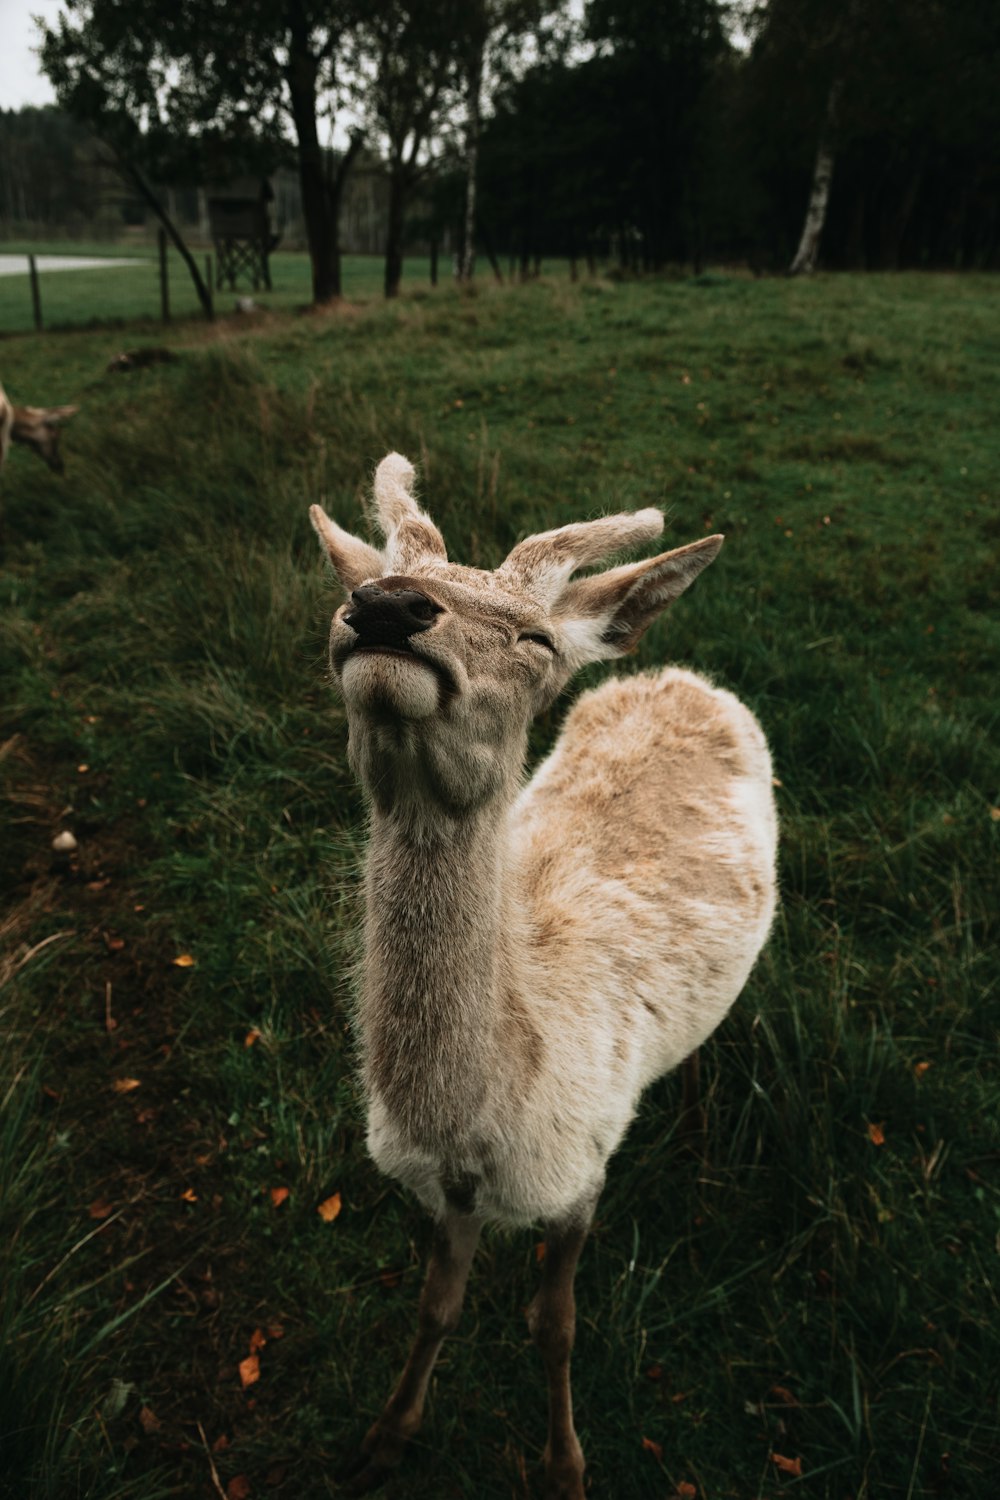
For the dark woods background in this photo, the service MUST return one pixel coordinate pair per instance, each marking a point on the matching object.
(652, 134)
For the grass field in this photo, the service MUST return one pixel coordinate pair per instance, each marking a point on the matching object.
(824, 1292)
(74, 298)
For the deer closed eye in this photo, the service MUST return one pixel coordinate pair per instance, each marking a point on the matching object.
(539, 640)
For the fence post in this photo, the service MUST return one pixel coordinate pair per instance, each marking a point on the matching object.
(36, 298)
(164, 287)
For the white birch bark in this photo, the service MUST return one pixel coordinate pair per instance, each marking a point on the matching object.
(807, 254)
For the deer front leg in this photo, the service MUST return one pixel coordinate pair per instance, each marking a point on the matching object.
(552, 1323)
(692, 1128)
(454, 1245)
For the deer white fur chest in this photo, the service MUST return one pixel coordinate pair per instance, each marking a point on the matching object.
(534, 955)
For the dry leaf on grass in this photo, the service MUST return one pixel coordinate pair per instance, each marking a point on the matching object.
(149, 1421)
(279, 1195)
(253, 1035)
(876, 1134)
(257, 1340)
(792, 1466)
(783, 1394)
(238, 1487)
(184, 961)
(656, 1449)
(189, 1195)
(100, 1208)
(686, 1491)
(249, 1370)
(329, 1208)
(126, 1085)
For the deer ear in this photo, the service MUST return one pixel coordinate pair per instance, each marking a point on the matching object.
(542, 563)
(605, 615)
(354, 561)
(410, 534)
(57, 416)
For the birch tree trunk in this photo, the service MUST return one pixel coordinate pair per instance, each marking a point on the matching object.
(806, 255)
(475, 82)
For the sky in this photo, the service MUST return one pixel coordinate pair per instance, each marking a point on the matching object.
(21, 80)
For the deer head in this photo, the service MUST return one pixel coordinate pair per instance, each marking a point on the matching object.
(38, 428)
(443, 667)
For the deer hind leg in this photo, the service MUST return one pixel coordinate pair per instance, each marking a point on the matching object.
(552, 1323)
(454, 1245)
(692, 1126)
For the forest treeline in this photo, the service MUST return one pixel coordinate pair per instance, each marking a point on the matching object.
(783, 134)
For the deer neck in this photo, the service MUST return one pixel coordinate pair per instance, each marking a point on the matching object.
(441, 942)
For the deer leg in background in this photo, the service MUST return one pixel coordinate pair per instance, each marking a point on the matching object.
(552, 1322)
(692, 1126)
(454, 1245)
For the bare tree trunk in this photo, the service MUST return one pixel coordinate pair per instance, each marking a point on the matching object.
(475, 81)
(142, 187)
(322, 191)
(394, 234)
(806, 255)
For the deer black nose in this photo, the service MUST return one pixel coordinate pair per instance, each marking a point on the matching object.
(383, 617)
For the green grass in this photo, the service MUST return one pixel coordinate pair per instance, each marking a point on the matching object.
(74, 298)
(811, 1293)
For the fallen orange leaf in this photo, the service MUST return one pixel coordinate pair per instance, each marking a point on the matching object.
(655, 1372)
(686, 1491)
(783, 1394)
(656, 1449)
(126, 1085)
(329, 1208)
(184, 961)
(249, 1370)
(791, 1466)
(278, 1196)
(253, 1035)
(149, 1421)
(189, 1195)
(876, 1134)
(238, 1487)
(257, 1340)
(100, 1208)
(920, 1069)
(275, 1331)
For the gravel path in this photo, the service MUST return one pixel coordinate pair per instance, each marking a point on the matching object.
(17, 265)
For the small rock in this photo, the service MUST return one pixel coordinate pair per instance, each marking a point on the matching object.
(245, 305)
(64, 843)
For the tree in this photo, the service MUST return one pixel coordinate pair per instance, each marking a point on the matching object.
(169, 82)
(409, 48)
(487, 27)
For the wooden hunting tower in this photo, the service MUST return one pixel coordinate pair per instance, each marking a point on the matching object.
(240, 221)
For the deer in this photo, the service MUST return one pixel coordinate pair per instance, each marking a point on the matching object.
(536, 953)
(37, 427)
